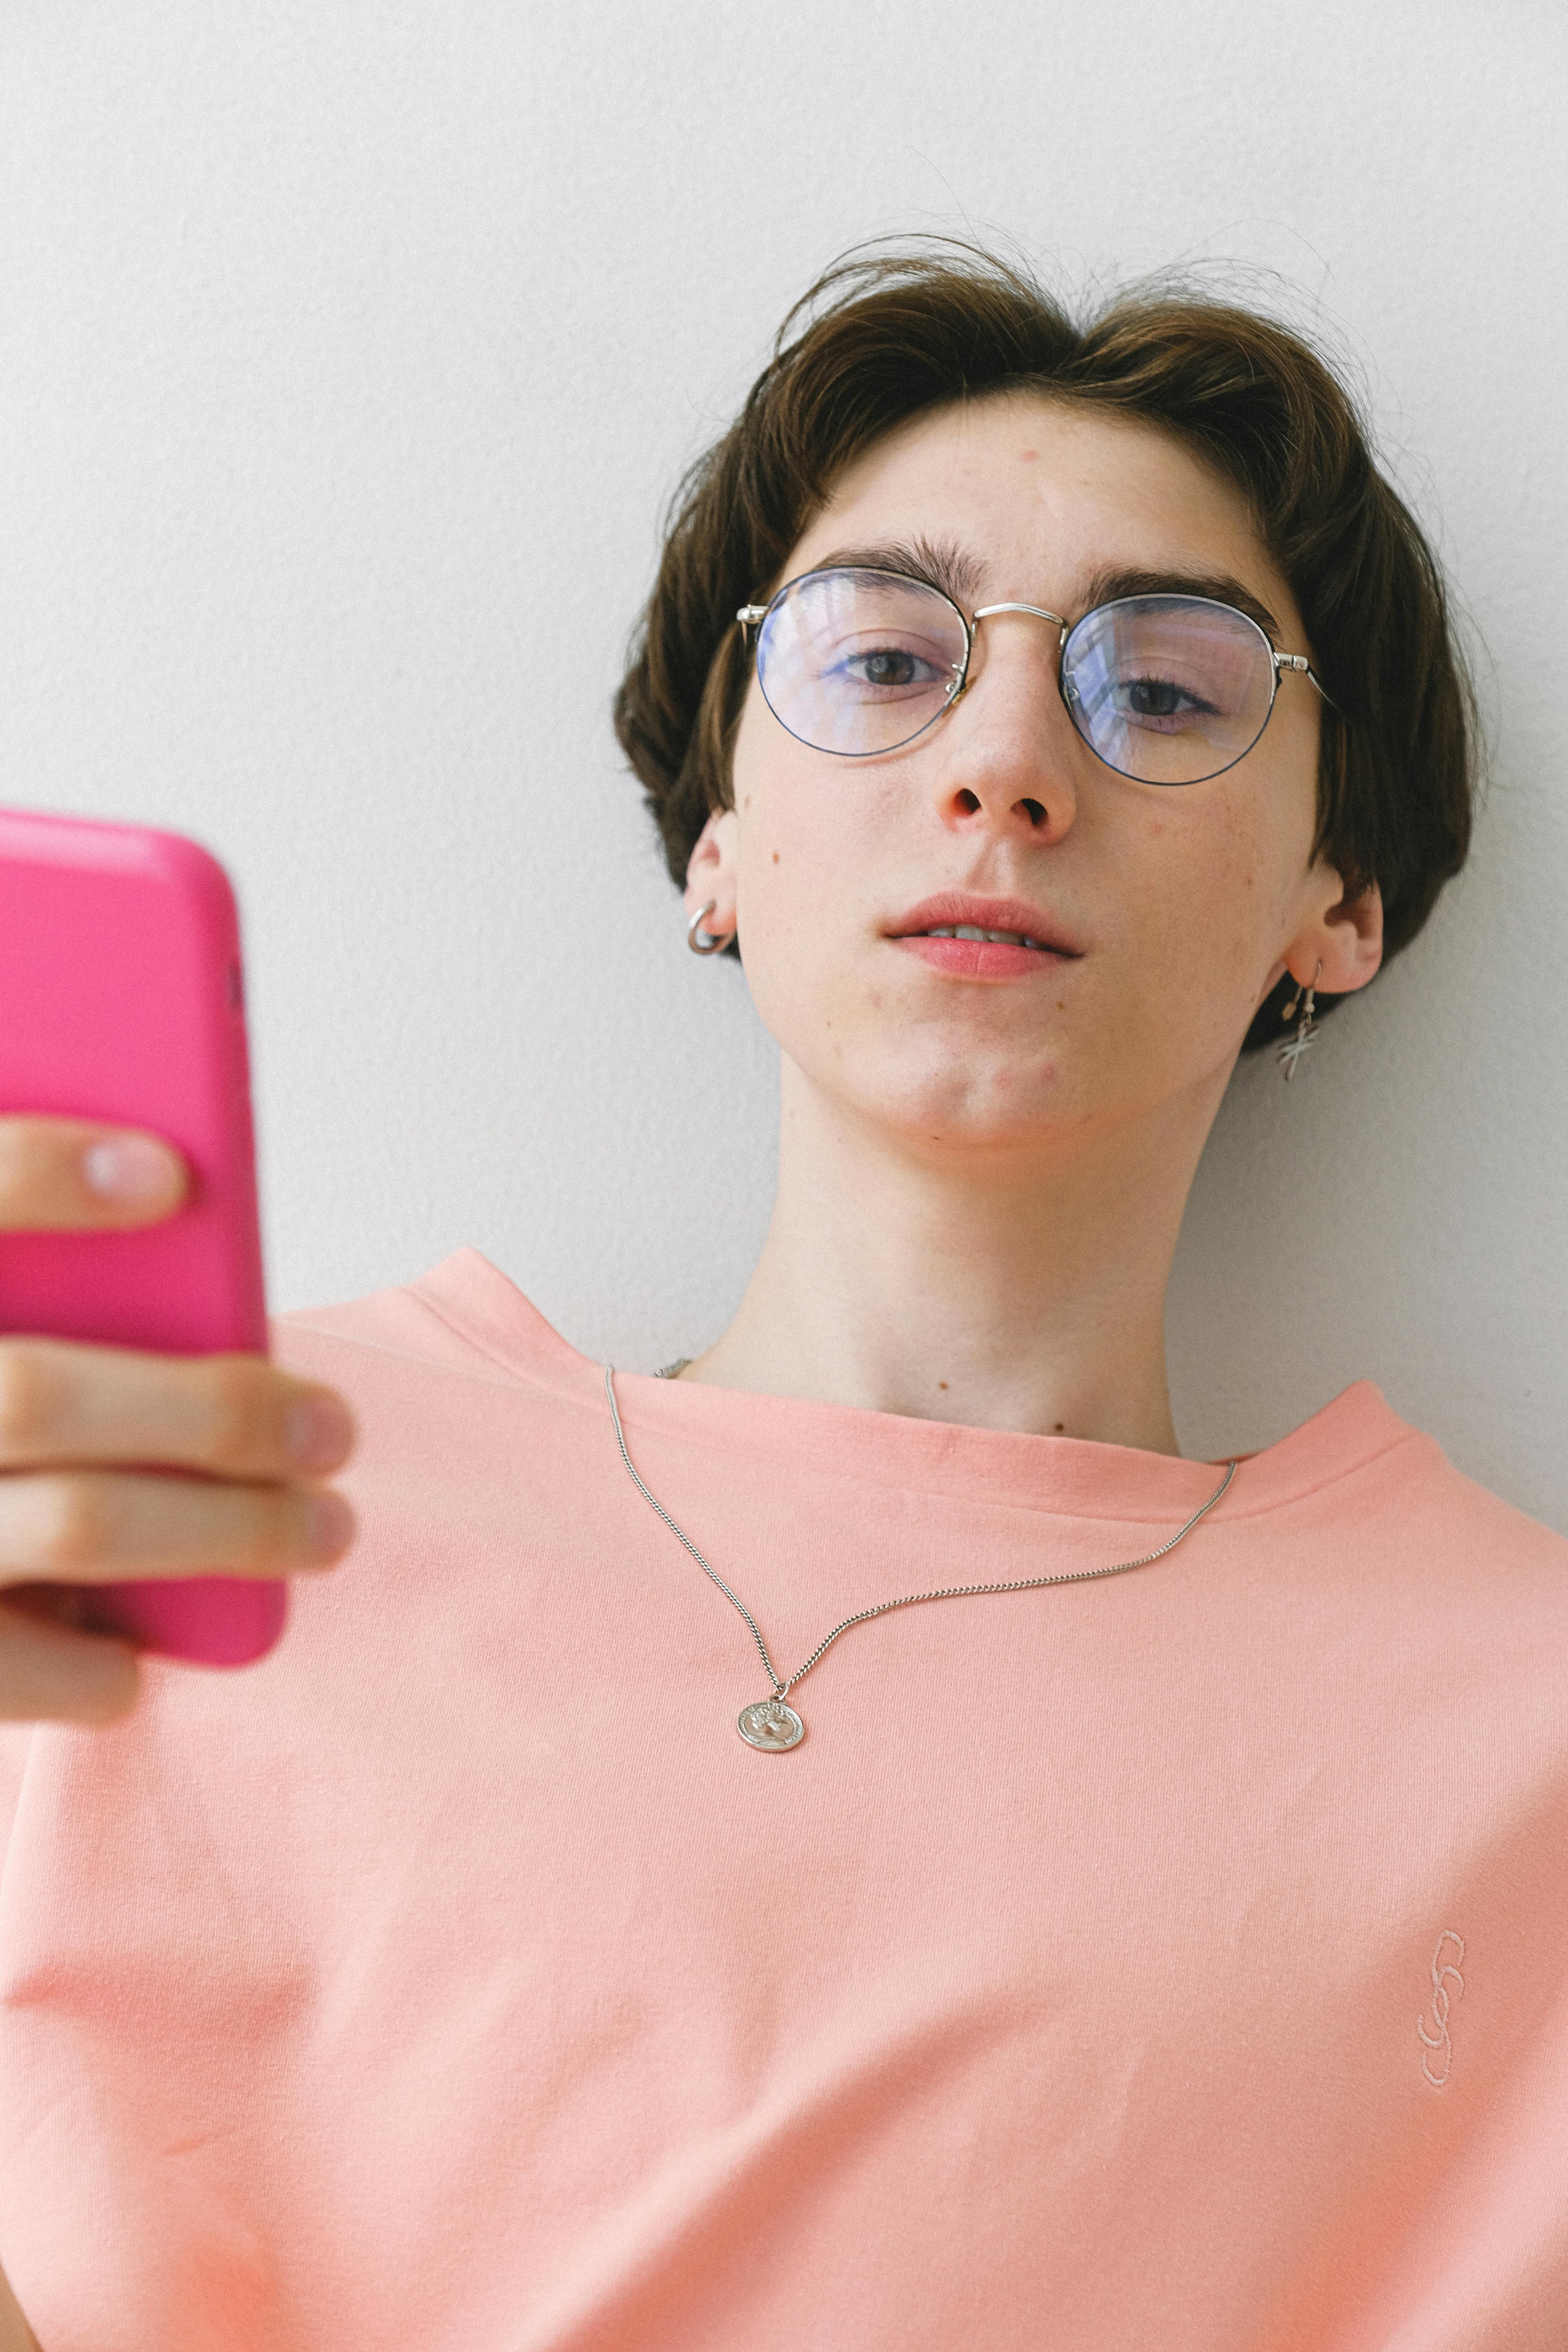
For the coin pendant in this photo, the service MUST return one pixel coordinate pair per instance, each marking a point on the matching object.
(771, 1725)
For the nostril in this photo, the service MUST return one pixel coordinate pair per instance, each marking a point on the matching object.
(1035, 811)
(968, 802)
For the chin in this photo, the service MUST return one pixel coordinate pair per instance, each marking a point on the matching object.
(964, 1102)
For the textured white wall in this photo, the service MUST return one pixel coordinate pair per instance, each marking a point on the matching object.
(348, 353)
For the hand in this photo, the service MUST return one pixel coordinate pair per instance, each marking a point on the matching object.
(78, 1424)
(15, 2336)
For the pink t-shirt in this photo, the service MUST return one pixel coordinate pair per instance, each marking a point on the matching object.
(1175, 1960)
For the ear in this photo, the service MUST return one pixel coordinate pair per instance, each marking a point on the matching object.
(711, 872)
(1346, 939)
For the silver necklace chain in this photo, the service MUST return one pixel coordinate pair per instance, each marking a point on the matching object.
(773, 1726)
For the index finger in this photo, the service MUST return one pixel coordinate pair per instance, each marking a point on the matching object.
(226, 1416)
(68, 1175)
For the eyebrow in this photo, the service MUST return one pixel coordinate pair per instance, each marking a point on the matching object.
(1107, 586)
(943, 564)
(940, 562)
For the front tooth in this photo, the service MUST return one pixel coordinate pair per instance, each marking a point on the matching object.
(937, 932)
(967, 931)
(1005, 939)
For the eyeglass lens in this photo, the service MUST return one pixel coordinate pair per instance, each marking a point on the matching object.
(1166, 689)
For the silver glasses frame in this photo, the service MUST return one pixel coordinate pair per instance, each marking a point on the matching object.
(754, 616)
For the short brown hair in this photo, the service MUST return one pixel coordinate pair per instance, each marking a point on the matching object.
(883, 338)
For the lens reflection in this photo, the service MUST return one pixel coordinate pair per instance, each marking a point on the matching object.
(857, 662)
(1166, 689)
(1169, 689)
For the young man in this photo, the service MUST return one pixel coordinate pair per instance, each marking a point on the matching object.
(1149, 1938)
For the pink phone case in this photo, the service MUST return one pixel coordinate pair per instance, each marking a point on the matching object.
(120, 999)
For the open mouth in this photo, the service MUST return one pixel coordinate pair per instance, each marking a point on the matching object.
(973, 931)
(983, 952)
(970, 932)
(971, 937)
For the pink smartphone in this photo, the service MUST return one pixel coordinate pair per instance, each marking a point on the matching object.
(121, 999)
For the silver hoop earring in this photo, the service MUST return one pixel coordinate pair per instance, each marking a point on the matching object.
(1306, 1037)
(698, 940)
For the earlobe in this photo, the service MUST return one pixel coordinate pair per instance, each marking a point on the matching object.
(711, 872)
(1346, 941)
(1352, 953)
(705, 943)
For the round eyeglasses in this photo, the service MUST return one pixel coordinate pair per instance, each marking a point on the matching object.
(1165, 689)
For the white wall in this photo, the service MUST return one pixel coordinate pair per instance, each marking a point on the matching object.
(348, 353)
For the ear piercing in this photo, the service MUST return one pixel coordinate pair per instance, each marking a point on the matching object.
(1306, 1037)
(698, 940)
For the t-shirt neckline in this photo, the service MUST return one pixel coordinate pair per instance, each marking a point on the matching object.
(1080, 1476)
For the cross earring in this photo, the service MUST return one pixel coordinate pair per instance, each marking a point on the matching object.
(1306, 1037)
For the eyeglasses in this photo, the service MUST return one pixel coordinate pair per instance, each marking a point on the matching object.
(1168, 689)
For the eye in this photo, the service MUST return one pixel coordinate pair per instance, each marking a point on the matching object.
(890, 667)
(1160, 701)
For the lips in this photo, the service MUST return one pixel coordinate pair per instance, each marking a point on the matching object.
(982, 939)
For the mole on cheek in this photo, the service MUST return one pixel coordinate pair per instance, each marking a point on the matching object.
(775, 857)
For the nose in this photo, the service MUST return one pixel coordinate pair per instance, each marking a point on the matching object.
(1011, 754)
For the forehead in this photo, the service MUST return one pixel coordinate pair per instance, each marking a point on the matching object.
(1041, 497)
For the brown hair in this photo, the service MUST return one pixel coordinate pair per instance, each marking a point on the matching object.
(882, 338)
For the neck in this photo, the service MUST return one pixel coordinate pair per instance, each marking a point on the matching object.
(1004, 1289)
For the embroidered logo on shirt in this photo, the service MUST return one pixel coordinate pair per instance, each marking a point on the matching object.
(1445, 1972)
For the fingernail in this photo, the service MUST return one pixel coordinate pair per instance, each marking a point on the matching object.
(330, 1526)
(132, 1170)
(318, 1433)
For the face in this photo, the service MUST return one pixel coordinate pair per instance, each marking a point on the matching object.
(1164, 913)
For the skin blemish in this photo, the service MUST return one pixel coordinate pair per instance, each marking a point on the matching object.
(775, 857)
(1059, 1428)
(1025, 457)
(942, 1384)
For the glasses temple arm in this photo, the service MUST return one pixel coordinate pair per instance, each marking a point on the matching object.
(1300, 661)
